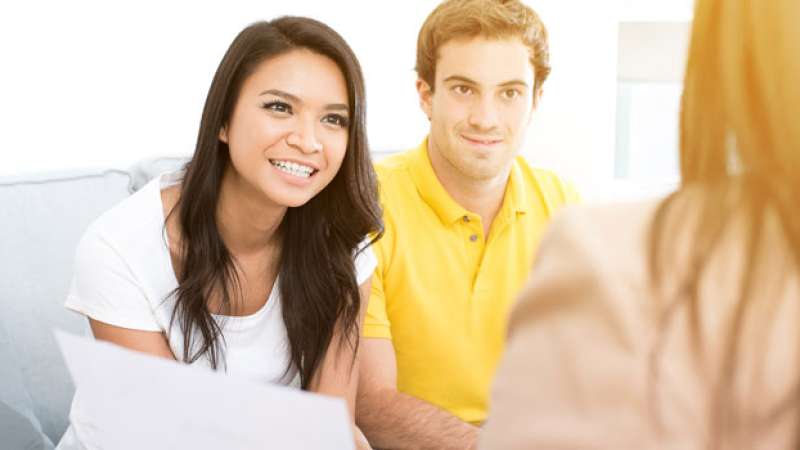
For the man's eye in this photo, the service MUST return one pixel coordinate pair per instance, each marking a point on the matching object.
(511, 93)
(464, 90)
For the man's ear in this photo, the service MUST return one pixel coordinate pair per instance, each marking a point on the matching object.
(425, 93)
(537, 99)
(223, 134)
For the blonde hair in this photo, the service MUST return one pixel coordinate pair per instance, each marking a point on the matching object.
(493, 19)
(739, 159)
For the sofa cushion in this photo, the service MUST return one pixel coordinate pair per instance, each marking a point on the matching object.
(41, 219)
(143, 171)
(18, 424)
(19, 433)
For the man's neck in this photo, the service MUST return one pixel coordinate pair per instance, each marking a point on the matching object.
(480, 196)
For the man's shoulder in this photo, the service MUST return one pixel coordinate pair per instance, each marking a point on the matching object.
(394, 174)
(392, 164)
(533, 174)
(547, 182)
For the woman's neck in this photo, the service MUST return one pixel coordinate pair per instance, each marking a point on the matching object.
(247, 222)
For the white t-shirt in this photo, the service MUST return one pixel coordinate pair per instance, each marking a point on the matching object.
(124, 277)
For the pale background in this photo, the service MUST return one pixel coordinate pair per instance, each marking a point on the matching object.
(97, 84)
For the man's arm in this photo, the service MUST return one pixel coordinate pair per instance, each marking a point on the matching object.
(392, 419)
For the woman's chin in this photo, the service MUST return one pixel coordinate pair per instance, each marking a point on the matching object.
(293, 201)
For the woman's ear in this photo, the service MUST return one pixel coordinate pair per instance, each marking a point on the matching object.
(223, 134)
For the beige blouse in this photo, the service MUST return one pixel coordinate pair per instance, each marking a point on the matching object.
(581, 370)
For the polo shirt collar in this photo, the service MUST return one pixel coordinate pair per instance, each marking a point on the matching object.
(430, 188)
(518, 198)
(436, 196)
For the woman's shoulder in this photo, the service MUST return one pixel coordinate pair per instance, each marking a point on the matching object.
(592, 262)
(135, 222)
(120, 274)
(580, 327)
(615, 234)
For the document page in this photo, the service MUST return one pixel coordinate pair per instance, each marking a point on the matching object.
(129, 400)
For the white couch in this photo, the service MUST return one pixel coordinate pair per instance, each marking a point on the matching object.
(41, 219)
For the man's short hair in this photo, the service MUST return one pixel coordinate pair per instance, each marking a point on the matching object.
(492, 19)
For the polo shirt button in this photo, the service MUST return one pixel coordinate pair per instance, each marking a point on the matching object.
(473, 238)
(465, 219)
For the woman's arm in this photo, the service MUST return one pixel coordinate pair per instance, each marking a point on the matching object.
(105, 289)
(338, 373)
(150, 342)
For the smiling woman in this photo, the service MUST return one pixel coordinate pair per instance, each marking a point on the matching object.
(303, 111)
(254, 258)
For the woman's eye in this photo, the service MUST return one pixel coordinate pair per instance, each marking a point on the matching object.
(336, 119)
(280, 107)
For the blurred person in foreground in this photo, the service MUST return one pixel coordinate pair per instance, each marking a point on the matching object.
(675, 323)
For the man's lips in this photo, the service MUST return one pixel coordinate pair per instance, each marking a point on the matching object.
(481, 140)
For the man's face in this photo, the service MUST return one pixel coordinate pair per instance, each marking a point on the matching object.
(481, 105)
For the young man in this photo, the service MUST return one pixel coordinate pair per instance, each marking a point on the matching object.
(463, 215)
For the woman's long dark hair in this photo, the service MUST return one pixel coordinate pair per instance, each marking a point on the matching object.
(317, 280)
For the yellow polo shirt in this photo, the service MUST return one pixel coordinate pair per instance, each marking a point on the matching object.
(442, 291)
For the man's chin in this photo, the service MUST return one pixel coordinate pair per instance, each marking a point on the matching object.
(475, 164)
(480, 170)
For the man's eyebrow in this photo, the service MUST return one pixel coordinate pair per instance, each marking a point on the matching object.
(460, 78)
(513, 83)
(464, 79)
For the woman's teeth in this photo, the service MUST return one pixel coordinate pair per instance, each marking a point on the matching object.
(292, 168)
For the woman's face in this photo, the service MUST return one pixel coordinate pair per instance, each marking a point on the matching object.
(288, 131)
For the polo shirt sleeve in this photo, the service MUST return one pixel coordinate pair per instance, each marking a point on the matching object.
(376, 322)
(571, 194)
(558, 191)
(105, 289)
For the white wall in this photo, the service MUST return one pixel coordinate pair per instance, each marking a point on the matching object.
(653, 51)
(573, 130)
(107, 83)
(656, 10)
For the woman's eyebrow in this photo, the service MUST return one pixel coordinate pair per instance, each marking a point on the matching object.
(283, 94)
(295, 99)
(338, 107)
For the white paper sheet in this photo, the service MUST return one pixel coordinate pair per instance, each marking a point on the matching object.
(127, 400)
